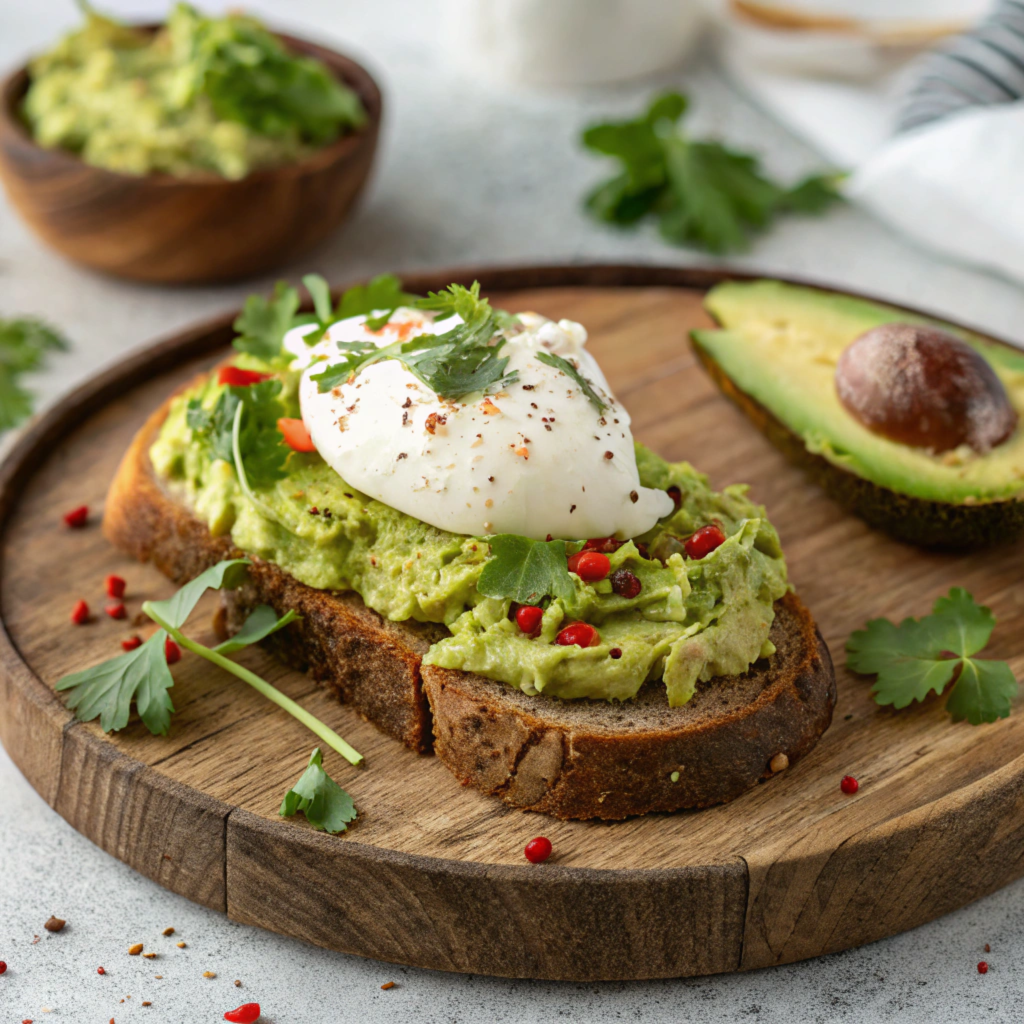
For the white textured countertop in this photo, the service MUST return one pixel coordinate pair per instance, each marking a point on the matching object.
(468, 172)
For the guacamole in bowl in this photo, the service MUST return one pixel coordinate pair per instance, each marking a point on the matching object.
(199, 95)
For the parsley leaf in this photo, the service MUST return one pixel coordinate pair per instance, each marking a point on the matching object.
(106, 691)
(462, 360)
(24, 343)
(263, 322)
(911, 660)
(703, 193)
(525, 570)
(225, 575)
(261, 623)
(570, 371)
(383, 292)
(259, 438)
(327, 807)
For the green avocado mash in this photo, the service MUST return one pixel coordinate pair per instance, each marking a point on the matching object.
(691, 621)
(202, 94)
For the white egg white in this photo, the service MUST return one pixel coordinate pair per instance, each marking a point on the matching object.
(536, 459)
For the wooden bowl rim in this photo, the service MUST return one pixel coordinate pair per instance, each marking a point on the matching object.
(349, 71)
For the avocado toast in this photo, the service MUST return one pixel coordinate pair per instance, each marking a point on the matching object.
(599, 677)
(777, 354)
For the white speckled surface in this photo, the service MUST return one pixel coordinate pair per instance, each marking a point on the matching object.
(468, 172)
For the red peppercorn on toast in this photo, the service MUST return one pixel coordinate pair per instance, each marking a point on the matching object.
(577, 758)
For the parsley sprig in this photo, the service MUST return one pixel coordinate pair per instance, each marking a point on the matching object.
(702, 193)
(921, 656)
(106, 691)
(463, 360)
(574, 374)
(525, 570)
(24, 345)
(327, 807)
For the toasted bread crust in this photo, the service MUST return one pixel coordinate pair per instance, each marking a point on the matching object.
(572, 759)
(918, 521)
(589, 759)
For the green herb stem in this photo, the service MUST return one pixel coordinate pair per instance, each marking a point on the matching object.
(311, 722)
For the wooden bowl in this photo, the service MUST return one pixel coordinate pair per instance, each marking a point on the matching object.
(191, 230)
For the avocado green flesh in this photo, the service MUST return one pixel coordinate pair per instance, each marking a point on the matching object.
(692, 620)
(780, 344)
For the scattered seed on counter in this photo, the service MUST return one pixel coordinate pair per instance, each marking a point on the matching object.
(136, 949)
(101, 970)
(159, 977)
(167, 931)
(988, 948)
(238, 984)
(209, 974)
(3, 967)
(181, 945)
(388, 985)
(55, 924)
(77, 517)
(149, 956)
(147, 1002)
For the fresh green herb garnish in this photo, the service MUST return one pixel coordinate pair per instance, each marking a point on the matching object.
(383, 292)
(24, 343)
(525, 570)
(263, 322)
(570, 371)
(920, 656)
(260, 439)
(106, 691)
(327, 807)
(460, 361)
(702, 193)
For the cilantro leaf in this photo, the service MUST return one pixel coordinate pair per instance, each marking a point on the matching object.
(464, 359)
(106, 691)
(525, 570)
(261, 623)
(259, 440)
(570, 371)
(320, 293)
(225, 575)
(703, 193)
(327, 807)
(24, 344)
(382, 292)
(913, 659)
(263, 322)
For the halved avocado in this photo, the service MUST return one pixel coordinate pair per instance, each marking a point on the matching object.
(776, 358)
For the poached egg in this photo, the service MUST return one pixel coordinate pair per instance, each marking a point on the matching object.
(536, 458)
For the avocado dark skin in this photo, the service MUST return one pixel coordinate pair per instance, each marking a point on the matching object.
(924, 523)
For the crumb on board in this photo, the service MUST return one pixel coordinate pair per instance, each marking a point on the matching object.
(55, 924)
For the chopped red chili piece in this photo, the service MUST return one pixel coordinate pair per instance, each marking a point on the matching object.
(704, 541)
(115, 586)
(117, 610)
(236, 377)
(247, 1013)
(578, 634)
(80, 613)
(625, 583)
(296, 435)
(538, 850)
(77, 517)
(590, 566)
(171, 651)
(606, 545)
(528, 618)
(131, 643)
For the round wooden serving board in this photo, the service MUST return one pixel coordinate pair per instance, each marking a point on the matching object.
(433, 874)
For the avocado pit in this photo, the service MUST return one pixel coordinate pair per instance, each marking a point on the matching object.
(923, 387)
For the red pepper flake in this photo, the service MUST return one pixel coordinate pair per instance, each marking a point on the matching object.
(609, 455)
(101, 970)
(77, 517)
(634, 497)
(236, 377)
(247, 1013)
(982, 967)
(578, 634)
(115, 586)
(131, 643)
(314, 511)
(704, 541)
(590, 566)
(80, 613)
(117, 610)
(606, 545)
(988, 948)
(538, 850)
(849, 785)
(435, 420)
(172, 652)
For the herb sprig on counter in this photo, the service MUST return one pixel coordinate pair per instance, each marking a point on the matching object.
(702, 193)
(921, 656)
(24, 344)
(465, 359)
(107, 691)
(327, 807)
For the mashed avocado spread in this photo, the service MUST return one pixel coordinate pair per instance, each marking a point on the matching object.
(692, 620)
(202, 94)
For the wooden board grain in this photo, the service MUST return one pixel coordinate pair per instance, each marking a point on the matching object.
(433, 874)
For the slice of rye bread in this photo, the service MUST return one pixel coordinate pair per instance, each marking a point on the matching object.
(572, 759)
